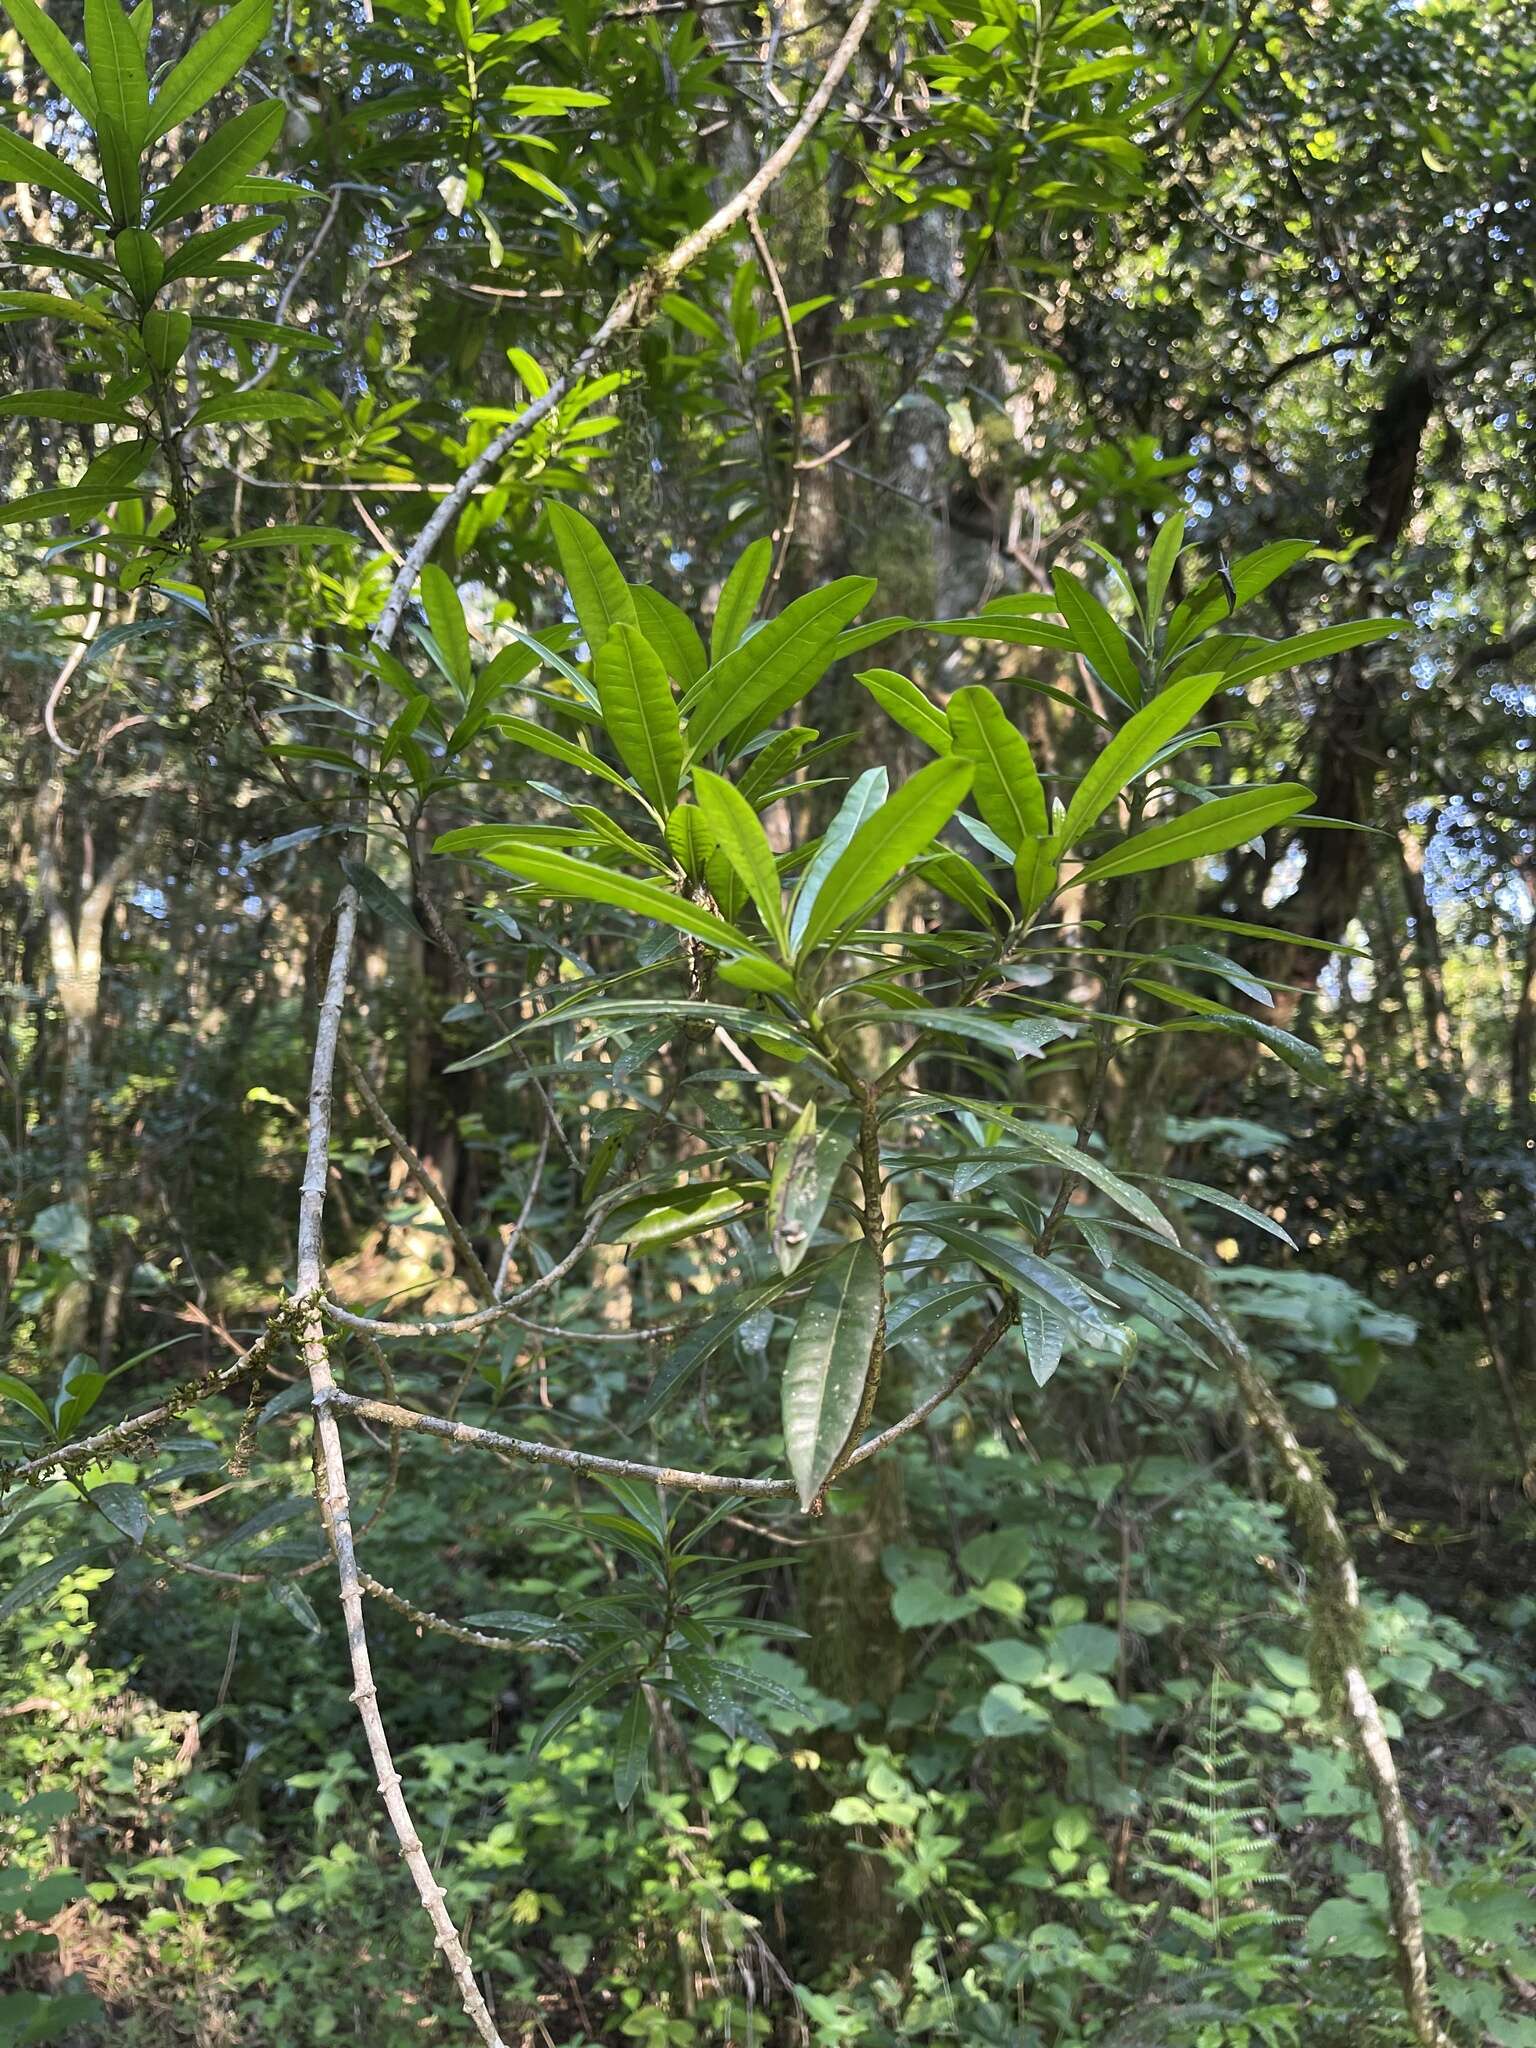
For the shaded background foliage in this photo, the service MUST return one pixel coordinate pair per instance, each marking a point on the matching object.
(1049, 274)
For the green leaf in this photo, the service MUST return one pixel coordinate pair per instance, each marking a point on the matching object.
(631, 1749)
(199, 251)
(211, 173)
(671, 632)
(445, 617)
(41, 1580)
(1277, 655)
(745, 845)
(1124, 757)
(17, 1391)
(861, 803)
(284, 537)
(599, 595)
(746, 691)
(376, 895)
(1044, 1336)
(210, 64)
(245, 408)
(1005, 786)
(56, 53)
(1225, 822)
(828, 1367)
(166, 331)
(64, 405)
(738, 600)
(57, 306)
(1197, 1191)
(121, 86)
(141, 260)
(1272, 932)
(883, 844)
(1161, 563)
(1063, 1153)
(29, 165)
(805, 1170)
(640, 712)
(63, 504)
(652, 1222)
(524, 733)
(1024, 1271)
(1210, 603)
(557, 875)
(702, 1343)
(903, 701)
(125, 1508)
(1096, 635)
(1295, 1052)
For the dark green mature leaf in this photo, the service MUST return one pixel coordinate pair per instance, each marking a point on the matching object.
(631, 1749)
(738, 696)
(1098, 637)
(1295, 1052)
(1215, 827)
(881, 847)
(210, 64)
(640, 712)
(450, 630)
(652, 1222)
(1062, 1152)
(738, 599)
(1044, 1335)
(864, 798)
(1006, 786)
(211, 173)
(556, 874)
(18, 1392)
(805, 1171)
(744, 843)
(1122, 759)
(243, 408)
(1278, 655)
(828, 1366)
(700, 1345)
(121, 86)
(600, 597)
(125, 1508)
(29, 165)
(197, 253)
(283, 537)
(1046, 1281)
(64, 405)
(55, 52)
(1197, 1191)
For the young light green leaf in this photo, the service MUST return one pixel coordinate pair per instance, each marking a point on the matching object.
(600, 597)
(828, 1367)
(28, 165)
(450, 630)
(903, 701)
(1161, 563)
(210, 64)
(738, 599)
(640, 712)
(1212, 602)
(671, 632)
(558, 875)
(745, 692)
(55, 53)
(805, 1170)
(1096, 635)
(210, 174)
(742, 840)
(1005, 786)
(121, 87)
(864, 798)
(881, 847)
(1133, 746)
(1215, 827)
(1035, 874)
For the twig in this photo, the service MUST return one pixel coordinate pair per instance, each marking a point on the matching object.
(796, 399)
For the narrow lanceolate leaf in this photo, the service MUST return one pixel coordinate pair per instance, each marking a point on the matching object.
(900, 829)
(28, 165)
(64, 405)
(1213, 602)
(671, 632)
(1005, 787)
(745, 692)
(1215, 827)
(1044, 1336)
(805, 1171)
(828, 1367)
(738, 600)
(523, 732)
(741, 838)
(1132, 748)
(902, 700)
(579, 881)
(1046, 1282)
(600, 597)
(652, 1222)
(1295, 1052)
(862, 801)
(1161, 563)
(1096, 635)
(211, 173)
(1271, 658)
(121, 87)
(1035, 874)
(55, 52)
(450, 630)
(631, 1749)
(1197, 1191)
(210, 64)
(640, 712)
(1062, 1152)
